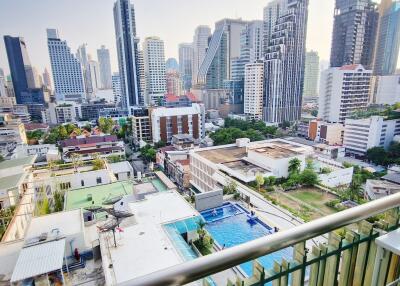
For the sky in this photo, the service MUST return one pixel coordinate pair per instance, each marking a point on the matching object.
(174, 21)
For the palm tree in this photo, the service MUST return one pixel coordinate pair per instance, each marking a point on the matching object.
(294, 166)
(201, 231)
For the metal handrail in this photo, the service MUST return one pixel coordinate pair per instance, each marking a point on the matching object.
(207, 265)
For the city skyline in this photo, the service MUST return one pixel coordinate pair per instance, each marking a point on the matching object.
(318, 38)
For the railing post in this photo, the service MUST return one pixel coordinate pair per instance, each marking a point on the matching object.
(334, 243)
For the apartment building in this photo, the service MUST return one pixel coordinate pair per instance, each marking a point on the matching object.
(166, 122)
(363, 134)
(343, 90)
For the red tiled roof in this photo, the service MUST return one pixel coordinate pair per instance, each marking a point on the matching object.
(88, 140)
(35, 126)
(191, 97)
(169, 97)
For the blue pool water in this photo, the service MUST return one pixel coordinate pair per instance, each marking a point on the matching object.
(225, 211)
(235, 229)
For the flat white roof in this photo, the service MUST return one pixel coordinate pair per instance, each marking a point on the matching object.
(390, 241)
(121, 167)
(144, 248)
(39, 259)
(68, 222)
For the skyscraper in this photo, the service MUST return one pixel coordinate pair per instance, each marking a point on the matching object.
(271, 14)
(172, 65)
(174, 83)
(127, 49)
(93, 76)
(284, 64)
(254, 90)
(21, 70)
(103, 56)
(46, 79)
(200, 45)
(224, 47)
(154, 69)
(185, 64)
(354, 32)
(66, 69)
(311, 74)
(388, 38)
(116, 87)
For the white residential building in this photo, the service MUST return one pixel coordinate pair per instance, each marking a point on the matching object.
(103, 56)
(116, 87)
(166, 122)
(200, 45)
(363, 134)
(61, 113)
(387, 89)
(343, 90)
(66, 69)
(254, 90)
(154, 69)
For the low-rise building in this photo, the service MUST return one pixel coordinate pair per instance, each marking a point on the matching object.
(44, 152)
(376, 189)
(166, 122)
(122, 171)
(61, 113)
(141, 126)
(363, 134)
(87, 147)
(325, 132)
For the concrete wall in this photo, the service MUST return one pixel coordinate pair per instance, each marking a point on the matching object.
(337, 177)
(209, 200)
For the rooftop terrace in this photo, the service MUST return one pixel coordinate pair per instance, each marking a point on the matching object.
(223, 155)
(79, 198)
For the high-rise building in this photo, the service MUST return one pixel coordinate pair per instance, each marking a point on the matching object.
(342, 91)
(174, 83)
(284, 64)
(82, 55)
(272, 12)
(388, 38)
(116, 87)
(251, 50)
(224, 48)
(93, 76)
(311, 74)
(22, 73)
(103, 56)
(142, 77)
(387, 89)
(200, 45)
(172, 65)
(66, 69)
(254, 90)
(185, 64)
(154, 69)
(354, 33)
(46, 79)
(128, 56)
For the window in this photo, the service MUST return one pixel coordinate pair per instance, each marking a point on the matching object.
(98, 180)
(82, 183)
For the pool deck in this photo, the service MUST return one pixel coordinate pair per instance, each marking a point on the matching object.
(145, 247)
(78, 198)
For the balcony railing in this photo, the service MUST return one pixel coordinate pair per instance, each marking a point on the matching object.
(348, 258)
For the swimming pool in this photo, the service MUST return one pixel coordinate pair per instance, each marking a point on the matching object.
(159, 185)
(235, 229)
(225, 211)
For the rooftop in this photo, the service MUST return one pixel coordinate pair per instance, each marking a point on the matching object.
(72, 223)
(223, 155)
(275, 152)
(24, 161)
(147, 239)
(79, 198)
(394, 178)
(121, 167)
(10, 182)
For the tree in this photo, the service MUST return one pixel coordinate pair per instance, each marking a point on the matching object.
(294, 166)
(62, 132)
(44, 207)
(377, 155)
(309, 164)
(260, 181)
(201, 231)
(309, 177)
(98, 164)
(230, 188)
(270, 181)
(159, 144)
(285, 125)
(314, 113)
(105, 125)
(58, 201)
(148, 153)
